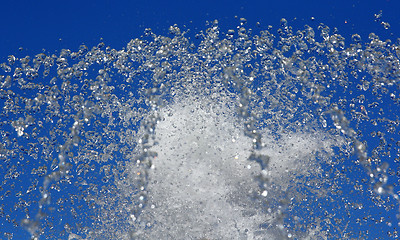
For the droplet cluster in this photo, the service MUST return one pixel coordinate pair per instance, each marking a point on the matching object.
(243, 134)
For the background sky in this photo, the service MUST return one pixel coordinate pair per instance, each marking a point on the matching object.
(52, 25)
(31, 27)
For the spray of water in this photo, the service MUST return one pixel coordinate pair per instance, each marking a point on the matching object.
(203, 182)
(235, 135)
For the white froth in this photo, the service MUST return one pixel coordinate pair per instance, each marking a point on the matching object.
(202, 185)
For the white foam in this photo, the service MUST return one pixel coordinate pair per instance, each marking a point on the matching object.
(202, 185)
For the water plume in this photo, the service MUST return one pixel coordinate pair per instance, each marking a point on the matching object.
(236, 135)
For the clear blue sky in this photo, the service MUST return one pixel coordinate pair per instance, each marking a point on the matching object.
(37, 25)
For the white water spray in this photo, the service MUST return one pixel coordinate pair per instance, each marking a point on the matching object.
(202, 180)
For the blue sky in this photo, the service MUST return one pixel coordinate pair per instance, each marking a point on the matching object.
(30, 27)
(37, 25)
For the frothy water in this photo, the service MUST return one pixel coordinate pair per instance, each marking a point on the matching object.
(236, 135)
(203, 182)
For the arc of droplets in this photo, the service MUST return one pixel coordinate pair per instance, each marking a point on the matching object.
(147, 141)
(62, 170)
(250, 130)
(378, 177)
(232, 75)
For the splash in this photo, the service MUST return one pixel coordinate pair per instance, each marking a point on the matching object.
(202, 180)
(234, 135)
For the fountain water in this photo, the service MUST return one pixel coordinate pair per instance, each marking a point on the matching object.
(241, 136)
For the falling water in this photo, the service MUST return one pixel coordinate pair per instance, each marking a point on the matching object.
(235, 135)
